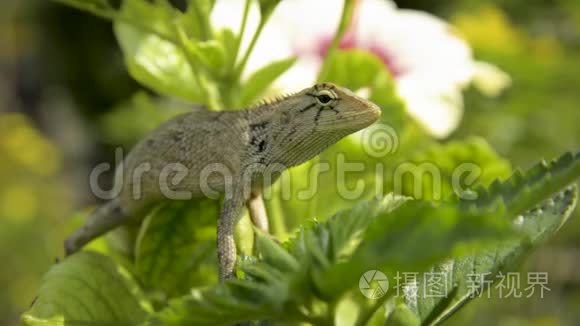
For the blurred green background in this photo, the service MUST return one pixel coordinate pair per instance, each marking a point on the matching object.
(62, 74)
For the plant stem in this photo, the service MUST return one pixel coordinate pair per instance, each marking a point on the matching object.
(345, 20)
(366, 314)
(242, 32)
(203, 26)
(232, 78)
(242, 65)
(182, 37)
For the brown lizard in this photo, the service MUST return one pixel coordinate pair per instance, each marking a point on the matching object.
(231, 151)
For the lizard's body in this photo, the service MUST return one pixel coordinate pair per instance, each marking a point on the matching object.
(243, 144)
(218, 137)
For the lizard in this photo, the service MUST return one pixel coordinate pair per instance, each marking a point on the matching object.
(246, 144)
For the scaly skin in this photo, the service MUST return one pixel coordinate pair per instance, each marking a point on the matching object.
(245, 145)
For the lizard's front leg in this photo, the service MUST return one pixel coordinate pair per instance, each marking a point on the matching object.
(257, 211)
(231, 209)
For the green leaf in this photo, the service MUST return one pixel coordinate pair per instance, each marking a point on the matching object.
(211, 54)
(402, 315)
(394, 242)
(298, 283)
(267, 6)
(261, 79)
(171, 52)
(155, 61)
(302, 279)
(459, 166)
(424, 173)
(344, 231)
(175, 249)
(469, 276)
(88, 288)
(522, 191)
(157, 64)
(276, 287)
(197, 18)
(131, 120)
(274, 254)
(228, 41)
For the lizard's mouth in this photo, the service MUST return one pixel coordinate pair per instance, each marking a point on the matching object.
(353, 121)
(347, 126)
(374, 112)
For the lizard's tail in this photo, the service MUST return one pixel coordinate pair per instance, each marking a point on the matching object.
(102, 220)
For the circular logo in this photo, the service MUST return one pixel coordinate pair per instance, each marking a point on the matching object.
(380, 140)
(373, 284)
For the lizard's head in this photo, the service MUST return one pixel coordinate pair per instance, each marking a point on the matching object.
(317, 117)
(331, 108)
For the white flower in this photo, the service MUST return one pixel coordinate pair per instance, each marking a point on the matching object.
(429, 62)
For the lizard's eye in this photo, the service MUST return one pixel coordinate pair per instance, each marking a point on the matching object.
(325, 97)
